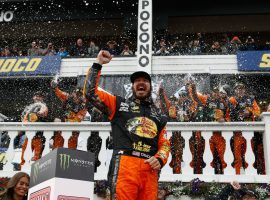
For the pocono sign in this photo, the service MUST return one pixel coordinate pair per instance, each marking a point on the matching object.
(144, 48)
(6, 16)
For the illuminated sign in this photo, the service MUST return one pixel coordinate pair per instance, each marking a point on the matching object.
(253, 60)
(29, 66)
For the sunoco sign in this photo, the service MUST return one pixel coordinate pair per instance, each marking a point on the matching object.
(6, 16)
(144, 40)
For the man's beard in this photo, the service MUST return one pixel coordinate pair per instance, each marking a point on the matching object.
(141, 98)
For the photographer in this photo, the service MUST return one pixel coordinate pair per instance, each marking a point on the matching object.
(49, 51)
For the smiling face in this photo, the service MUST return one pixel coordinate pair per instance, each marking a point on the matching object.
(141, 88)
(21, 188)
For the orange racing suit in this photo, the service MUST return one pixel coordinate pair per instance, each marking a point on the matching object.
(138, 130)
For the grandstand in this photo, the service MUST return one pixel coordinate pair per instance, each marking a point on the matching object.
(203, 40)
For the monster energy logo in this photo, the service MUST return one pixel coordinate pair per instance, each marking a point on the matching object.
(35, 171)
(64, 161)
(40, 167)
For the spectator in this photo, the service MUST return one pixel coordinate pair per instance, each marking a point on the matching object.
(267, 45)
(93, 49)
(34, 50)
(78, 49)
(201, 42)
(112, 47)
(17, 187)
(215, 48)
(162, 49)
(178, 48)
(49, 51)
(6, 52)
(225, 44)
(126, 51)
(235, 44)
(249, 44)
(195, 47)
(63, 52)
(14, 51)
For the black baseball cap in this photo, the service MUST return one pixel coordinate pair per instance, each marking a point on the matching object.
(138, 74)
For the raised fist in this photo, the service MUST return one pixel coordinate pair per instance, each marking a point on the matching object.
(104, 57)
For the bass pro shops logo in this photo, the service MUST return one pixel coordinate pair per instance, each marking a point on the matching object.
(64, 161)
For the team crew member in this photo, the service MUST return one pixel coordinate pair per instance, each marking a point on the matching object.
(37, 111)
(138, 130)
(73, 104)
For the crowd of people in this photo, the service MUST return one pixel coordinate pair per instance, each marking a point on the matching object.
(191, 44)
(221, 105)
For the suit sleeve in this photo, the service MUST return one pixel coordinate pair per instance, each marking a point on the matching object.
(102, 100)
(63, 96)
(256, 111)
(163, 148)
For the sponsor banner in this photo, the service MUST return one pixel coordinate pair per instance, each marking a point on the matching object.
(43, 169)
(63, 197)
(75, 164)
(253, 60)
(63, 163)
(43, 194)
(144, 40)
(30, 66)
(62, 188)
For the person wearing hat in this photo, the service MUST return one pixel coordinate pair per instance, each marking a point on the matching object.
(140, 148)
(243, 107)
(74, 104)
(37, 111)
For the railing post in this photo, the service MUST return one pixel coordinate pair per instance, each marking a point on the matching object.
(250, 158)
(266, 141)
(102, 170)
(186, 169)
(228, 156)
(207, 156)
(10, 151)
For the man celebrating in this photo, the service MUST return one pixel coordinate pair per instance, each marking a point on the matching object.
(37, 111)
(138, 130)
